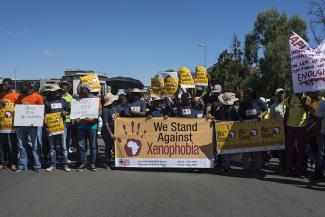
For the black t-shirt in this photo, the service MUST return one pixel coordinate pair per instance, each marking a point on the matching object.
(59, 105)
(227, 113)
(110, 113)
(215, 106)
(250, 110)
(186, 111)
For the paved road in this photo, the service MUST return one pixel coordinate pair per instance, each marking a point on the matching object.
(157, 193)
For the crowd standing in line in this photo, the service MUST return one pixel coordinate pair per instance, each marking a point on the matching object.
(303, 116)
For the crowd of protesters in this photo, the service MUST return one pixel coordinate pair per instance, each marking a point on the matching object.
(303, 116)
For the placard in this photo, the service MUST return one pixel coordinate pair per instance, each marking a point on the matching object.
(307, 65)
(6, 117)
(163, 143)
(185, 78)
(201, 76)
(84, 108)
(157, 85)
(93, 82)
(29, 115)
(170, 83)
(54, 123)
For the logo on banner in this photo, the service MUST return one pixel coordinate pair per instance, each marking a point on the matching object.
(133, 145)
(8, 114)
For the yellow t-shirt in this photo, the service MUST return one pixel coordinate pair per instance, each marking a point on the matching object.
(297, 114)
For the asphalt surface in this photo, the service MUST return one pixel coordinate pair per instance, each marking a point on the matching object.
(158, 193)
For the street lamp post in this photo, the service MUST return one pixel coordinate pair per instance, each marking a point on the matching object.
(205, 53)
(15, 71)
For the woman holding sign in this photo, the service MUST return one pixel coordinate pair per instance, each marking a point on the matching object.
(87, 131)
(56, 110)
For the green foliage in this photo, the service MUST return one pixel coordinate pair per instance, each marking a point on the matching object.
(229, 71)
(271, 33)
(317, 20)
(265, 63)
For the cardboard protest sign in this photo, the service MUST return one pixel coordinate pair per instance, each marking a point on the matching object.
(84, 108)
(6, 117)
(307, 65)
(93, 82)
(170, 83)
(159, 143)
(248, 136)
(201, 76)
(29, 115)
(54, 123)
(185, 78)
(157, 85)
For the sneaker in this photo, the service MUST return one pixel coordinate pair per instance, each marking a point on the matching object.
(19, 169)
(72, 150)
(81, 168)
(2, 167)
(37, 170)
(108, 167)
(93, 167)
(50, 169)
(13, 167)
(67, 169)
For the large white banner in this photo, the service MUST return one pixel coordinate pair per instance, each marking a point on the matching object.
(29, 115)
(307, 65)
(84, 108)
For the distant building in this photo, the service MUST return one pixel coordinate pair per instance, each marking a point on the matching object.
(73, 76)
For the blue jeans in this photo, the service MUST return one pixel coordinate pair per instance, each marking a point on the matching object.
(52, 144)
(40, 137)
(67, 132)
(320, 160)
(27, 139)
(91, 135)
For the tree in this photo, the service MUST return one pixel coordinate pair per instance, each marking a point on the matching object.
(271, 33)
(317, 21)
(230, 71)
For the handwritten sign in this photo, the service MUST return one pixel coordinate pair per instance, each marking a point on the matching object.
(84, 108)
(93, 82)
(29, 115)
(54, 123)
(307, 65)
(6, 117)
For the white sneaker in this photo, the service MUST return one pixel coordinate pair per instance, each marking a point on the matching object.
(67, 169)
(50, 169)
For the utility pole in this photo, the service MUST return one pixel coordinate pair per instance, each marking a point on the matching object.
(15, 71)
(205, 53)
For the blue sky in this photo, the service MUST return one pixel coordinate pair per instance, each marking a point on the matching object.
(137, 38)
